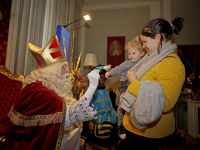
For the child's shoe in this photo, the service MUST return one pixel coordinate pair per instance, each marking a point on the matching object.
(122, 132)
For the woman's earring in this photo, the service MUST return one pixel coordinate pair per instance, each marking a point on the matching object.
(159, 48)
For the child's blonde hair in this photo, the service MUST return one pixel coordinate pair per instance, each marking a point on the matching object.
(136, 42)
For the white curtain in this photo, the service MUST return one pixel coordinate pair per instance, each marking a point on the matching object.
(32, 21)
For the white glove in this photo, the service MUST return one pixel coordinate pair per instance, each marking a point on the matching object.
(93, 77)
(83, 110)
(107, 68)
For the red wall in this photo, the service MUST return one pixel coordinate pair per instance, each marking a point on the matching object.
(5, 6)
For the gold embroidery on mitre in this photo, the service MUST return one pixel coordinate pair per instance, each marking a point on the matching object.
(115, 48)
(50, 54)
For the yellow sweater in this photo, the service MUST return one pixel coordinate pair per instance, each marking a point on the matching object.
(170, 73)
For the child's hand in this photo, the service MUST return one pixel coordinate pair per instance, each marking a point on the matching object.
(107, 74)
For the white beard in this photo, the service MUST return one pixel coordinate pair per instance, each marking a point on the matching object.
(62, 86)
(66, 75)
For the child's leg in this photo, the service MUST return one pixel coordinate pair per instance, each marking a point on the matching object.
(121, 129)
(120, 111)
(120, 115)
(123, 87)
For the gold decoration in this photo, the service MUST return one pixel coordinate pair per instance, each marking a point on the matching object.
(72, 48)
(104, 125)
(77, 81)
(78, 84)
(117, 99)
(61, 130)
(43, 56)
(1, 16)
(37, 120)
(6, 72)
(41, 120)
(100, 132)
(3, 139)
(115, 48)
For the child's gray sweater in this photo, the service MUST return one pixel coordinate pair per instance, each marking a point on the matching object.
(122, 68)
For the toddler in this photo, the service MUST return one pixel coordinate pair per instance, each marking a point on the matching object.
(135, 53)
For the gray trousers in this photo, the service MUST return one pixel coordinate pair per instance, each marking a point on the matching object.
(120, 111)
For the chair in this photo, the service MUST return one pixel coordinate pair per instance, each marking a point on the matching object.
(115, 97)
(10, 86)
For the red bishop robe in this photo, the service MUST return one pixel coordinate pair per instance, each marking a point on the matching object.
(37, 119)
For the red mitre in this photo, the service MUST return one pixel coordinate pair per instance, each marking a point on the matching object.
(50, 54)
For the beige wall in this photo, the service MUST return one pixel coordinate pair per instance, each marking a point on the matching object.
(190, 11)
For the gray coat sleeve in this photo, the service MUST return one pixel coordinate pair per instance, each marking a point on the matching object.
(147, 107)
(123, 67)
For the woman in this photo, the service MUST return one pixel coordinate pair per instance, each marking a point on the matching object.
(155, 85)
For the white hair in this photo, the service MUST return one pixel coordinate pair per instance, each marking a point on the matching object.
(51, 78)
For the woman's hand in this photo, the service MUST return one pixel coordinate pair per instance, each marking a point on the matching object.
(131, 76)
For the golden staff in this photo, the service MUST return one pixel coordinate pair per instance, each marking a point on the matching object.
(78, 62)
(72, 48)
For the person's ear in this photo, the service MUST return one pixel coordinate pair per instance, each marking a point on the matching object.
(142, 54)
(158, 37)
